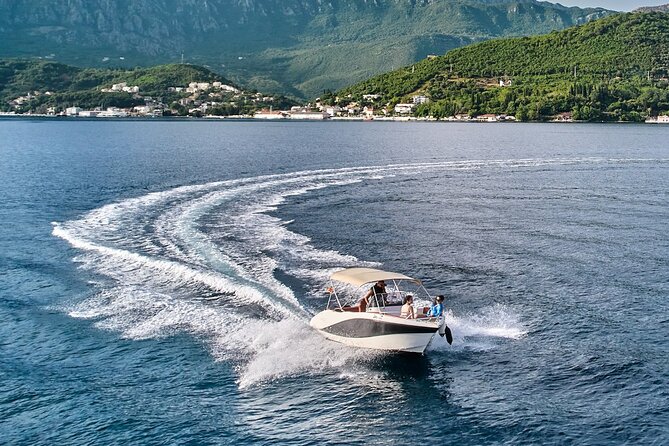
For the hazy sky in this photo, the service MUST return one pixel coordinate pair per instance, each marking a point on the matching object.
(618, 5)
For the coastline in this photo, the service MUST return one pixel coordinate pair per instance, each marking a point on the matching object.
(212, 118)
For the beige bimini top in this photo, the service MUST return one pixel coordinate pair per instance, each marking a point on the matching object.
(361, 276)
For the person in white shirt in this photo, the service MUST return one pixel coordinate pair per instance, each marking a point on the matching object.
(407, 311)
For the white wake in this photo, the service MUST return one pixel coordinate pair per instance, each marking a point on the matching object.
(203, 260)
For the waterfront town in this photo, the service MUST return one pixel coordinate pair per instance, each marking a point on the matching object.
(216, 100)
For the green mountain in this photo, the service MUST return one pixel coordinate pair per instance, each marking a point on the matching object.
(299, 47)
(35, 86)
(615, 68)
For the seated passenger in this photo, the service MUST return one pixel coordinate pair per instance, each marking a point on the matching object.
(437, 308)
(407, 311)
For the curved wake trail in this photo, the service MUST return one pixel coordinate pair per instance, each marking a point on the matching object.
(203, 259)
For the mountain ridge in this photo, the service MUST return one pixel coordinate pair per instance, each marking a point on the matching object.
(659, 8)
(292, 46)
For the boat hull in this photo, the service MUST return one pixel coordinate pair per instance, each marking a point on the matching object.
(375, 330)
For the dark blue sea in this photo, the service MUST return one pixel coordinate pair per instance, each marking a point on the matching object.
(157, 279)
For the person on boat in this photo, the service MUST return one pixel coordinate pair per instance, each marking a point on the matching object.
(359, 307)
(437, 308)
(407, 310)
(378, 290)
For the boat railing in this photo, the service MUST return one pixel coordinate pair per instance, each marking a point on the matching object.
(395, 310)
(391, 300)
(332, 291)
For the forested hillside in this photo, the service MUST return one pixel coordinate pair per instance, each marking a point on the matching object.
(35, 86)
(616, 68)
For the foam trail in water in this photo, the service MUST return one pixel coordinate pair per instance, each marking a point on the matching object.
(481, 331)
(289, 348)
(202, 259)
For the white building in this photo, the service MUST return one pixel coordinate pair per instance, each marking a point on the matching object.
(332, 110)
(310, 115)
(404, 109)
(420, 99)
(269, 114)
(662, 119)
(487, 118)
(194, 87)
(143, 109)
(89, 113)
(72, 111)
(368, 112)
(123, 86)
(112, 112)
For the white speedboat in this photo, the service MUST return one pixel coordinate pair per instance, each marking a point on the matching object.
(377, 323)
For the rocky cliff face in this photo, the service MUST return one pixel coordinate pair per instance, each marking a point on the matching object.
(661, 8)
(295, 46)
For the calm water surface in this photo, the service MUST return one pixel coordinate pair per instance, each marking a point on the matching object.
(157, 279)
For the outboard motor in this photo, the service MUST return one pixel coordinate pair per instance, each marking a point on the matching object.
(441, 328)
(445, 331)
